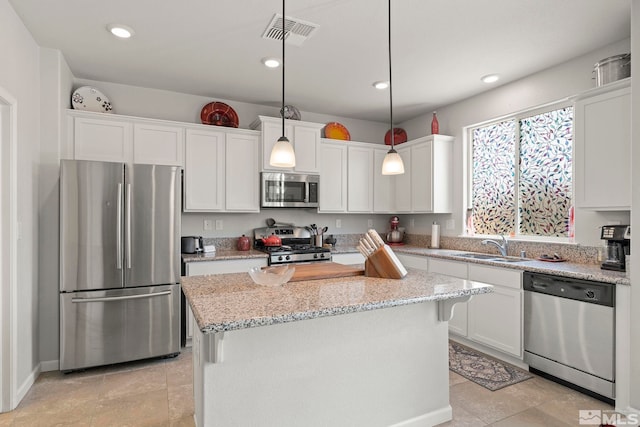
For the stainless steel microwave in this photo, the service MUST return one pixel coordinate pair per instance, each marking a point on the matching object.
(289, 190)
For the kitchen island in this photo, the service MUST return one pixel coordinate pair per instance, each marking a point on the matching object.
(351, 351)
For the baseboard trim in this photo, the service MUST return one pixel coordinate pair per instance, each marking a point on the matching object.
(26, 385)
(429, 419)
(49, 365)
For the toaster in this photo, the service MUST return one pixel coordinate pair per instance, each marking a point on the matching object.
(192, 244)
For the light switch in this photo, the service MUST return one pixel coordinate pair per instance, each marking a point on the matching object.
(370, 223)
(219, 225)
(338, 223)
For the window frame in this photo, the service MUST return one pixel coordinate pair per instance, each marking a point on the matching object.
(468, 157)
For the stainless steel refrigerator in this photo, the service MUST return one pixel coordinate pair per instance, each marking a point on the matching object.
(119, 262)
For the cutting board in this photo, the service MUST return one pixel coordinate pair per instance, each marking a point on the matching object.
(324, 270)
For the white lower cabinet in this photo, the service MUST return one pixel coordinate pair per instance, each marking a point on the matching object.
(495, 319)
(215, 267)
(458, 322)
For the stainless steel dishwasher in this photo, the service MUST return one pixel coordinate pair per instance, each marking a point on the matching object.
(569, 331)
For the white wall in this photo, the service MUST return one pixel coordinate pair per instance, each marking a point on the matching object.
(19, 76)
(166, 105)
(56, 83)
(562, 81)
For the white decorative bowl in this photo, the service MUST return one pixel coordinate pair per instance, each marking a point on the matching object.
(272, 276)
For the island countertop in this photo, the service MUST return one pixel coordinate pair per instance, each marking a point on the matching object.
(226, 302)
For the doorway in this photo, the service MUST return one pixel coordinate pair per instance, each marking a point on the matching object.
(8, 250)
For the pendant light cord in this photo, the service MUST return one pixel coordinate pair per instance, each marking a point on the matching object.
(283, 62)
(393, 137)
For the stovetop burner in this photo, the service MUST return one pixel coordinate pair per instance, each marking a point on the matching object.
(296, 246)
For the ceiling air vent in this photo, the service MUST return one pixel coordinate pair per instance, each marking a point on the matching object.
(297, 30)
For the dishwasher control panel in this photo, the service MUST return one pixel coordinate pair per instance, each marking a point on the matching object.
(581, 290)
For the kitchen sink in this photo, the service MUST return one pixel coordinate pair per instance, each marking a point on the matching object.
(490, 257)
(477, 256)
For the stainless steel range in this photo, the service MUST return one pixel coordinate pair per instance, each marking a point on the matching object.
(295, 245)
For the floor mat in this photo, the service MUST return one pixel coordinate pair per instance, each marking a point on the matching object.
(484, 370)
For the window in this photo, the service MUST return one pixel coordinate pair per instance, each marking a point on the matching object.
(521, 180)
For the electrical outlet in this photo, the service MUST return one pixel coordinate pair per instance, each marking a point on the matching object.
(208, 224)
(450, 224)
(412, 223)
(370, 223)
(219, 225)
(338, 223)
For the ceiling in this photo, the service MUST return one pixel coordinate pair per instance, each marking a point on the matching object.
(213, 48)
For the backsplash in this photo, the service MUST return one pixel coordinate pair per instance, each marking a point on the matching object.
(573, 253)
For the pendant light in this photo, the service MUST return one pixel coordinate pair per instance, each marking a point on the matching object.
(392, 163)
(282, 154)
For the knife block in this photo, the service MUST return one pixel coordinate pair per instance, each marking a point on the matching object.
(384, 263)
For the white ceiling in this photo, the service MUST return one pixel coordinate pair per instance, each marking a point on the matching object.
(213, 48)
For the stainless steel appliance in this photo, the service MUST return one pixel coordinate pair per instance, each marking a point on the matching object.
(192, 244)
(296, 245)
(618, 239)
(289, 190)
(569, 331)
(119, 262)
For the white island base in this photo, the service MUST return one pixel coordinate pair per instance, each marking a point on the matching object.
(385, 367)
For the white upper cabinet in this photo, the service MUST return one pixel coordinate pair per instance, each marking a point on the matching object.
(333, 176)
(158, 144)
(359, 179)
(242, 176)
(111, 138)
(305, 137)
(204, 171)
(602, 147)
(101, 138)
(403, 182)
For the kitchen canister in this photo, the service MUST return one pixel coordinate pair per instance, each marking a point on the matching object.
(612, 69)
(435, 236)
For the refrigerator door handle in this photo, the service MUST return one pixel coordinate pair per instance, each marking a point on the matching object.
(125, 297)
(119, 229)
(128, 237)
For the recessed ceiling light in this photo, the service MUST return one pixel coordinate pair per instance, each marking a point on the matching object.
(271, 62)
(490, 78)
(381, 85)
(121, 31)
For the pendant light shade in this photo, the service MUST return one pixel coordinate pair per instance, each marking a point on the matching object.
(282, 154)
(392, 163)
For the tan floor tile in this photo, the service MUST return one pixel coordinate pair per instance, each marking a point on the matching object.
(183, 422)
(484, 404)
(180, 370)
(462, 418)
(531, 418)
(6, 418)
(145, 409)
(456, 378)
(180, 401)
(566, 406)
(533, 391)
(134, 382)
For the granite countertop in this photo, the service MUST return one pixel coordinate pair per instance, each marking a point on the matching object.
(226, 302)
(223, 254)
(565, 269)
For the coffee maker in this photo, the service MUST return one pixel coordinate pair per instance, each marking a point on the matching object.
(618, 239)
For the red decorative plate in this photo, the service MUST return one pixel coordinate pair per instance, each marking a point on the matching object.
(335, 130)
(219, 114)
(399, 136)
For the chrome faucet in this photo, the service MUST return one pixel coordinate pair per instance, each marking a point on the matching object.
(503, 248)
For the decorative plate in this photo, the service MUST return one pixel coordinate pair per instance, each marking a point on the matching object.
(219, 114)
(399, 136)
(290, 112)
(89, 98)
(335, 130)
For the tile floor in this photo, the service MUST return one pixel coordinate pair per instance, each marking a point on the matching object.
(159, 393)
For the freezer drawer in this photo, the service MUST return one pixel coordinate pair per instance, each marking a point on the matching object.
(119, 325)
